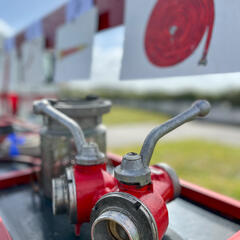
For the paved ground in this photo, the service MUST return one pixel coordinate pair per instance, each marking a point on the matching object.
(123, 135)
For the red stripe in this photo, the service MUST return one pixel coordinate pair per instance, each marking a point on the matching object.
(19, 177)
(217, 202)
(4, 235)
(235, 237)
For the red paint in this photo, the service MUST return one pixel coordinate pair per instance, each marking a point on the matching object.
(103, 21)
(92, 182)
(235, 236)
(18, 177)
(114, 159)
(3, 232)
(175, 29)
(77, 229)
(154, 196)
(14, 103)
(224, 205)
(162, 183)
(70, 51)
(110, 13)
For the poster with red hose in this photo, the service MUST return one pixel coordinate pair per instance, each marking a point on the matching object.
(180, 37)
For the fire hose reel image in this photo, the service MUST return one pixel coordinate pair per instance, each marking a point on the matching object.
(180, 38)
(175, 28)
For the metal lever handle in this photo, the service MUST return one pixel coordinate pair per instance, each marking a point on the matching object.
(44, 107)
(199, 108)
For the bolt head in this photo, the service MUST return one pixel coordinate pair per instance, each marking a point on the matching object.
(132, 170)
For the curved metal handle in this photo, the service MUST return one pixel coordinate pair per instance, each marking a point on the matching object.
(199, 108)
(44, 107)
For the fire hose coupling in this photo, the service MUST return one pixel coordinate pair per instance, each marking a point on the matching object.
(137, 211)
(64, 195)
(87, 153)
(131, 205)
(123, 216)
(134, 168)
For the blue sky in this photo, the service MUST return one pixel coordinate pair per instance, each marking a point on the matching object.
(20, 13)
(15, 15)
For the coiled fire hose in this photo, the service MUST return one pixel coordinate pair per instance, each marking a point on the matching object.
(175, 29)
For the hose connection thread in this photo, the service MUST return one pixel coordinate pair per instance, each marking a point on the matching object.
(121, 216)
(114, 225)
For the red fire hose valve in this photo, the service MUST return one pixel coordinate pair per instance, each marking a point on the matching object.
(76, 192)
(131, 205)
(137, 210)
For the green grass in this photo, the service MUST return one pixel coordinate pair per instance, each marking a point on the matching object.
(211, 165)
(125, 115)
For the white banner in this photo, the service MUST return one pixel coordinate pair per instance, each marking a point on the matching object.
(165, 38)
(75, 8)
(10, 71)
(32, 62)
(74, 47)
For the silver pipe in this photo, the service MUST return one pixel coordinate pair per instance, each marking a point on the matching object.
(199, 108)
(114, 225)
(43, 107)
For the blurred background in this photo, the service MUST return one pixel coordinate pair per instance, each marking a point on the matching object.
(205, 152)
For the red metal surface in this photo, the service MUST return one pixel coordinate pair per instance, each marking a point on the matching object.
(14, 178)
(114, 159)
(18, 177)
(235, 236)
(99, 182)
(4, 235)
(175, 29)
(224, 205)
(154, 196)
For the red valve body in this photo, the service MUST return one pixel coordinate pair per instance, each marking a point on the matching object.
(93, 182)
(154, 196)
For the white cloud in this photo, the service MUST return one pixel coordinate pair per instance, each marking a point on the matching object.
(5, 29)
